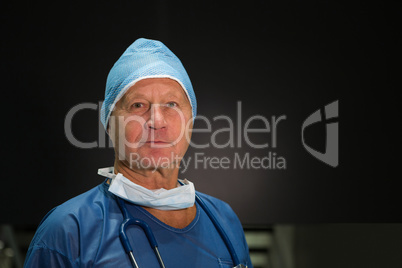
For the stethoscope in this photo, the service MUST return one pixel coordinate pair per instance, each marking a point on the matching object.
(129, 220)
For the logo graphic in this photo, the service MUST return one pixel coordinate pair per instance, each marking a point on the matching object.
(331, 155)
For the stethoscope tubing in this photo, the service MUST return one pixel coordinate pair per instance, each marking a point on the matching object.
(144, 226)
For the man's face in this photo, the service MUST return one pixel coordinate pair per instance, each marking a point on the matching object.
(151, 124)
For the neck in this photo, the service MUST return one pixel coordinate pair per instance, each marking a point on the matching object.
(156, 179)
(149, 178)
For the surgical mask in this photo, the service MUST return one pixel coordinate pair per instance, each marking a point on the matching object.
(177, 198)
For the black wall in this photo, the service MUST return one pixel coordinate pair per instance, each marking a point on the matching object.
(277, 58)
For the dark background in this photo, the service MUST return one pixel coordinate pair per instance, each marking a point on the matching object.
(277, 58)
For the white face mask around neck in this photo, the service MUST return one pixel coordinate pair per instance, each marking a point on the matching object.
(177, 198)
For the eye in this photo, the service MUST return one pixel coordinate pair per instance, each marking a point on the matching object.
(138, 105)
(171, 104)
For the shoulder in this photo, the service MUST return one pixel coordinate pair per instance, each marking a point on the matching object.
(62, 228)
(219, 207)
(85, 205)
(211, 199)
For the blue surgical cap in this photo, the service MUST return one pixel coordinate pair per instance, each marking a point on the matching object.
(144, 59)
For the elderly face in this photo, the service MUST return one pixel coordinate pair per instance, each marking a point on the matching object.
(151, 124)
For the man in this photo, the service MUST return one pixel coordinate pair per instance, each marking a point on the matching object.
(148, 113)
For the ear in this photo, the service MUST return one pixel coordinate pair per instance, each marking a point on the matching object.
(189, 129)
(111, 130)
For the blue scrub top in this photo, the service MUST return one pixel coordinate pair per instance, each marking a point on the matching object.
(84, 232)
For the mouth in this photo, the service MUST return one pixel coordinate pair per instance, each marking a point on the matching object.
(156, 142)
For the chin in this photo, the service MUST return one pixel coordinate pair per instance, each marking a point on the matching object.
(152, 158)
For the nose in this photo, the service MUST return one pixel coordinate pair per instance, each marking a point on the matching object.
(157, 119)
